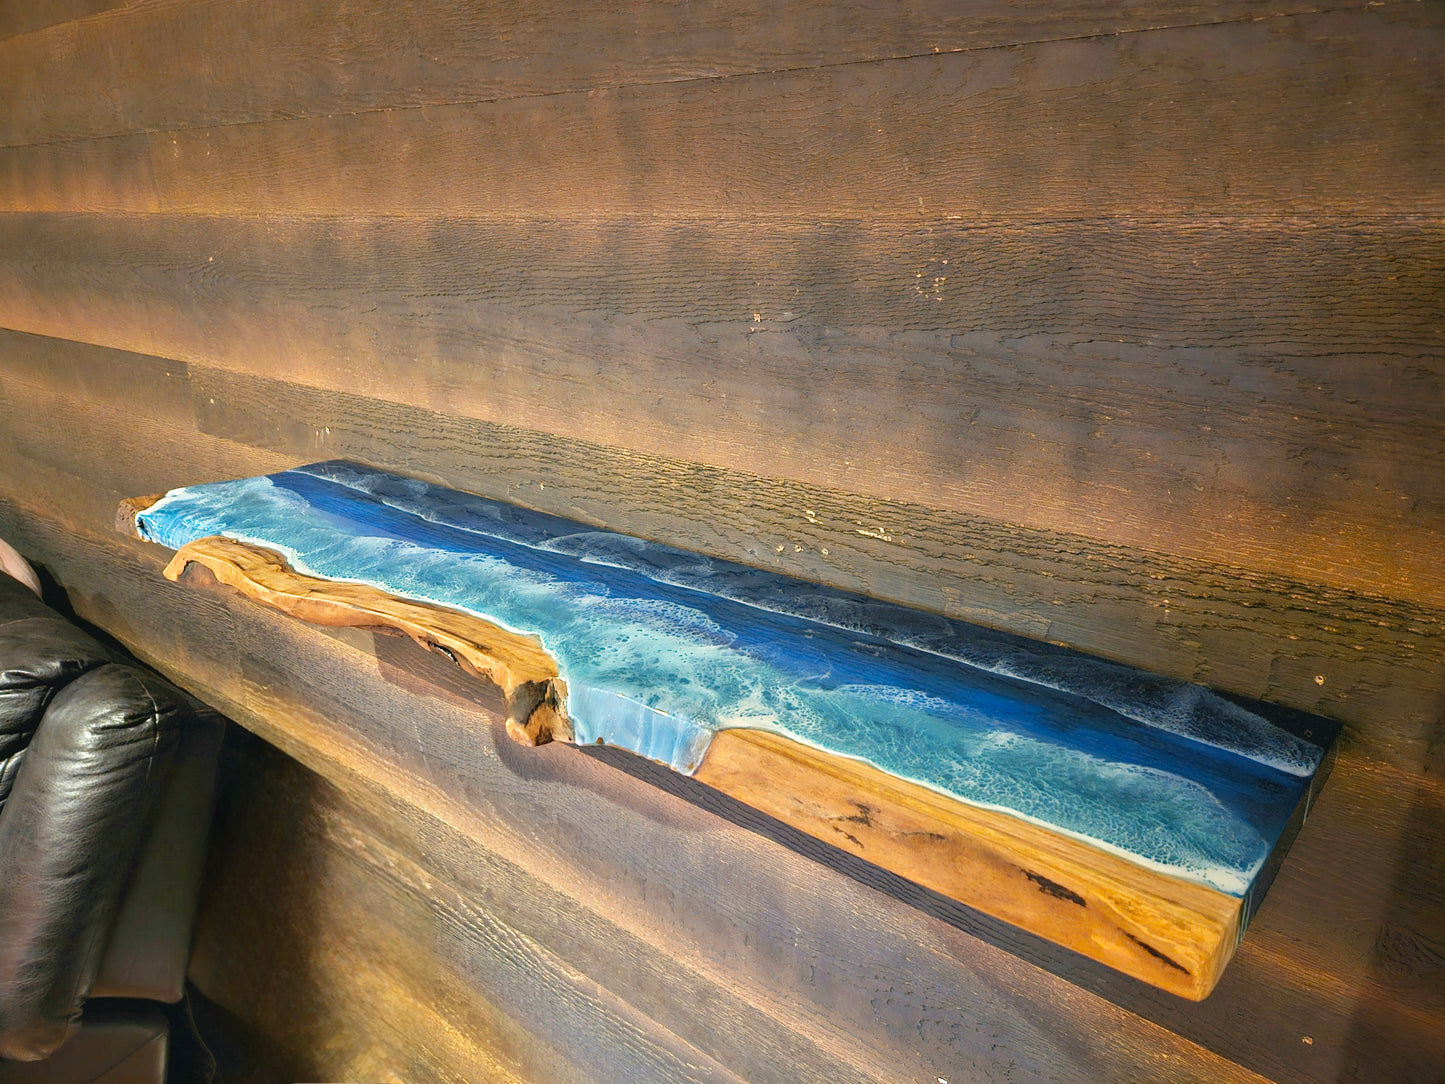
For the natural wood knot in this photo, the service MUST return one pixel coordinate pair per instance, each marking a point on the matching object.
(535, 715)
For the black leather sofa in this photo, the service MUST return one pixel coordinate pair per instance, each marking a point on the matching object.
(107, 775)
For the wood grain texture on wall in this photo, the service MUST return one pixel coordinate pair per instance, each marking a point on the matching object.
(264, 60)
(1122, 326)
(1167, 122)
(20, 16)
(1192, 389)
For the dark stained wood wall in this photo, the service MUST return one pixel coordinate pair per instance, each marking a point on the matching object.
(1119, 325)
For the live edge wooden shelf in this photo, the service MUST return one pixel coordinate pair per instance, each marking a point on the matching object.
(1131, 818)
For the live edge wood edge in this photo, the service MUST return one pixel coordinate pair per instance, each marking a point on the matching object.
(1168, 932)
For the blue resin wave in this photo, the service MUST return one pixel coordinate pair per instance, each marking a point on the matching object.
(660, 648)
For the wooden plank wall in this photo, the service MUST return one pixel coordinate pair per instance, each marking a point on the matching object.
(1120, 325)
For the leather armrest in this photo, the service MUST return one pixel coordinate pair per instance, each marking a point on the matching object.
(40, 653)
(70, 832)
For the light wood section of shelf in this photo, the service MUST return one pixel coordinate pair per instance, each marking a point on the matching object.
(1169, 932)
(516, 664)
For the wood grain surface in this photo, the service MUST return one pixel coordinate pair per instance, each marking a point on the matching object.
(22, 16)
(1168, 932)
(1260, 396)
(517, 665)
(132, 71)
(1115, 125)
(79, 175)
(1174, 398)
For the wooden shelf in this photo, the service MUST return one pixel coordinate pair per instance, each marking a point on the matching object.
(1134, 819)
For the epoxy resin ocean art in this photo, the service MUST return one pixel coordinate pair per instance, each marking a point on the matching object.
(1129, 817)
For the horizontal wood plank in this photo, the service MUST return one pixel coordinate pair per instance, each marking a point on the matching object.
(94, 175)
(1174, 121)
(1263, 390)
(1168, 932)
(1269, 636)
(456, 913)
(138, 70)
(22, 16)
(113, 419)
(272, 882)
(1160, 926)
(1299, 115)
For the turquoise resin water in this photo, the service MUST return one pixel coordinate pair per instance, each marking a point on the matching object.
(660, 648)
